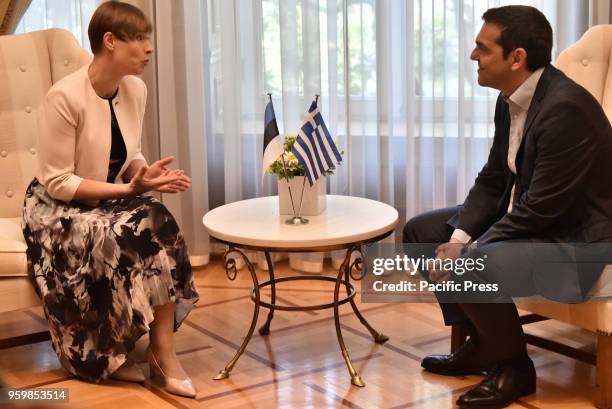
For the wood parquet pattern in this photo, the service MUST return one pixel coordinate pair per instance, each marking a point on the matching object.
(299, 364)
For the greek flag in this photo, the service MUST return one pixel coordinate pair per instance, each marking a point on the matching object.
(314, 147)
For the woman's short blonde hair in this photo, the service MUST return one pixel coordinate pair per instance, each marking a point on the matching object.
(125, 21)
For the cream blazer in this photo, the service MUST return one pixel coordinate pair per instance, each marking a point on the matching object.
(74, 139)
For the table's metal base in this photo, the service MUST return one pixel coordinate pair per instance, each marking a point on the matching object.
(345, 273)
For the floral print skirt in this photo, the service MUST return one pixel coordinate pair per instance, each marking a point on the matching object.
(100, 271)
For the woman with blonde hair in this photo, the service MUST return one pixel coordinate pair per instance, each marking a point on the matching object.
(109, 263)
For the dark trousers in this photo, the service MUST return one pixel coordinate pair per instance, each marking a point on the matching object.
(499, 332)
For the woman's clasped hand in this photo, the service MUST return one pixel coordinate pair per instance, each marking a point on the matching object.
(156, 177)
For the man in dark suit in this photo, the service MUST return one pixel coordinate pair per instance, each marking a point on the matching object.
(548, 179)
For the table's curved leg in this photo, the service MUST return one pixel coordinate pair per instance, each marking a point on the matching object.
(265, 329)
(379, 338)
(230, 269)
(355, 379)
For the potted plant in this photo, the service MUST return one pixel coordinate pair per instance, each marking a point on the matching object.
(308, 200)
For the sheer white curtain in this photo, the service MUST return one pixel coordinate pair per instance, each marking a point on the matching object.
(419, 127)
(72, 15)
(600, 12)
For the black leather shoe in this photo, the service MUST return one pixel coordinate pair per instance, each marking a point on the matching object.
(502, 386)
(464, 361)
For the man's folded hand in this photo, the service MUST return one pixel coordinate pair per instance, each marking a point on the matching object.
(446, 251)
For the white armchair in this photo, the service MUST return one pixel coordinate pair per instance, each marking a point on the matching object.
(29, 64)
(588, 62)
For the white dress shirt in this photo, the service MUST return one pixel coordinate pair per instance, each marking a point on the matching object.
(518, 104)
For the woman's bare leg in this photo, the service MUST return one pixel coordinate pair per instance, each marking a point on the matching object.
(161, 341)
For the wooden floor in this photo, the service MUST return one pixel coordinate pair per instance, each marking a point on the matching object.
(299, 364)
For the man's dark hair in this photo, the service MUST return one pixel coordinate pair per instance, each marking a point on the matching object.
(523, 27)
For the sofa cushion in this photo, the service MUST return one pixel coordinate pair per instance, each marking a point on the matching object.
(596, 316)
(29, 64)
(13, 261)
(603, 287)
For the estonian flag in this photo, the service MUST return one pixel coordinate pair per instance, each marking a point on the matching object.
(314, 147)
(272, 145)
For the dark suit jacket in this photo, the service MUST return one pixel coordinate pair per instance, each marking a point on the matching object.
(564, 172)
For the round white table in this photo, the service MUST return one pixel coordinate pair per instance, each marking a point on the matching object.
(255, 224)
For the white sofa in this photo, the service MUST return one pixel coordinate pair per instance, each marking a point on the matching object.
(29, 64)
(588, 62)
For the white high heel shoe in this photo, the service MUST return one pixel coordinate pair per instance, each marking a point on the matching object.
(181, 387)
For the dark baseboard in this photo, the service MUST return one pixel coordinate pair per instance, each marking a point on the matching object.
(25, 339)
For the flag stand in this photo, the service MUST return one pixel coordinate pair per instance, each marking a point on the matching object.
(296, 219)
